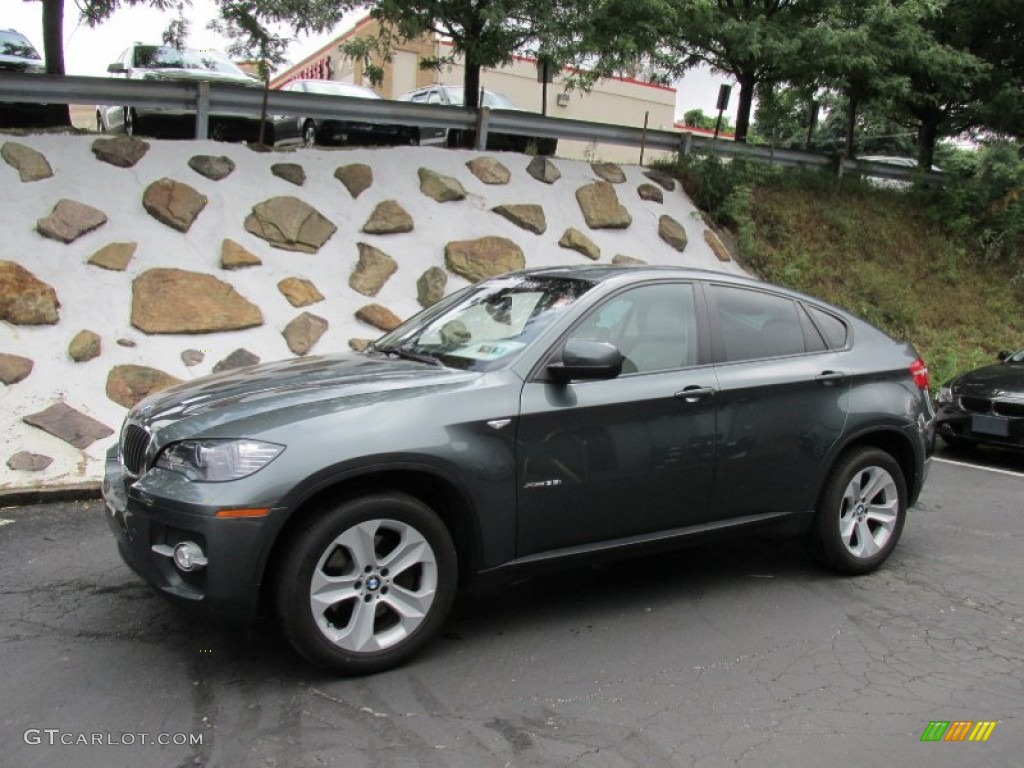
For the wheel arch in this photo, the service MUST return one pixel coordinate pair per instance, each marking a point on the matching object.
(439, 492)
(892, 441)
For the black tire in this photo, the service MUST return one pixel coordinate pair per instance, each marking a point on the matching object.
(340, 632)
(862, 511)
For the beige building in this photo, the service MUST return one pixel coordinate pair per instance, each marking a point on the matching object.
(618, 101)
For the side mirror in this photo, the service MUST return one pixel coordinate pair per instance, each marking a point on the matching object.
(583, 359)
(117, 68)
(1004, 356)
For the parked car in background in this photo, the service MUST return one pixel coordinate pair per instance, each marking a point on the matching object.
(18, 55)
(985, 406)
(454, 96)
(908, 163)
(163, 62)
(300, 129)
(547, 416)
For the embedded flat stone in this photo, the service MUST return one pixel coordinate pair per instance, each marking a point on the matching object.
(372, 270)
(528, 217)
(443, 189)
(357, 178)
(299, 291)
(290, 224)
(661, 179)
(627, 261)
(30, 164)
(542, 169)
(484, 257)
(23, 461)
(177, 301)
(601, 207)
(14, 368)
(212, 167)
(290, 172)
(65, 423)
(489, 170)
(610, 172)
(129, 385)
(388, 218)
(650, 193)
(431, 286)
(358, 345)
(240, 358)
(577, 241)
(191, 357)
(672, 232)
(114, 256)
(25, 299)
(379, 317)
(122, 151)
(84, 347)
(302, 333)
(173, 203)
(235, 256)
(717, 246)
(122, 342)
(69, 220)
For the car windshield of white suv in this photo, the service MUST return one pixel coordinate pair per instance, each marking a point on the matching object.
(13, 44)
(484, 327)
(167, 57)
(457, 97)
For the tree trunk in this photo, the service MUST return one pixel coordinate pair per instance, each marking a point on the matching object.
(471, 94)
(747, 84)
(53, 53)
(851, 123)
(927, 134)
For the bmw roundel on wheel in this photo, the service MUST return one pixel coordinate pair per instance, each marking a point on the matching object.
(544, 415)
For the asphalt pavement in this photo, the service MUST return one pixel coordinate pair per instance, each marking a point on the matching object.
(739, 654)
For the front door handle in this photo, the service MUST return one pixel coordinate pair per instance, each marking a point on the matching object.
(694, 394)
(830, 377)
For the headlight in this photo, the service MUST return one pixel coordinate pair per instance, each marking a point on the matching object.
(945, 395)
(217, 461)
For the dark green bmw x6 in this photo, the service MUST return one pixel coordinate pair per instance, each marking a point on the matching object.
(542, 416)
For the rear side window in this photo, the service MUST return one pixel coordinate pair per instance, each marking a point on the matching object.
(753, 324)
(832, 328)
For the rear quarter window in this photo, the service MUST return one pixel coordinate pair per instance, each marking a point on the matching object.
(832, 328)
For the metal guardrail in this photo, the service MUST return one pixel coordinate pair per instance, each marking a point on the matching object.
(216, 98)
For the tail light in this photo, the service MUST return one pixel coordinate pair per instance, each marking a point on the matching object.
(919, 372)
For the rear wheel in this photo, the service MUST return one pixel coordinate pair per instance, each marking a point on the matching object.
(131, 122)
(364, 586)
(862, 511)
(309, 134)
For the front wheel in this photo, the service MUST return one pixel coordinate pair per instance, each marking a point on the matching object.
(862, 511)
(364, 586)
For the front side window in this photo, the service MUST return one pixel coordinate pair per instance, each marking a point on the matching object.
(754, 324)
(487, 326)
(654, 326)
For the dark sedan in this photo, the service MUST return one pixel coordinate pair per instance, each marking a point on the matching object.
(306, 130)
(540, 417)
(985, 406)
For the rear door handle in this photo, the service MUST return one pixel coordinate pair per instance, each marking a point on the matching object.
(830, 377)
(695, 394)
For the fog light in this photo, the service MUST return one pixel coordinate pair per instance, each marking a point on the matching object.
(189, 556)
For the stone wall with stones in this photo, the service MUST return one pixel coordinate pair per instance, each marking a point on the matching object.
(128, 266)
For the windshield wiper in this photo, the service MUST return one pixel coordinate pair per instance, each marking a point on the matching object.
(408, 354)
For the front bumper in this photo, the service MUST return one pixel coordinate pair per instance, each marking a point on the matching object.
(990, 429)
(145, 515)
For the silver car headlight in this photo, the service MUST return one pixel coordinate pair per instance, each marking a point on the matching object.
(217, 461)
(945, 395)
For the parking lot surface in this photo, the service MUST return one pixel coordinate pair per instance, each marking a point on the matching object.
(738, 654)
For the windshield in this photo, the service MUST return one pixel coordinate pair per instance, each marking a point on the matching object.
(13, 44)
(1016, 357)
(166, 57)
(493, 99)
(488, 325)
(329, 88)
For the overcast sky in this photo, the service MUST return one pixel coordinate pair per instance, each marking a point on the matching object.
(88, 51)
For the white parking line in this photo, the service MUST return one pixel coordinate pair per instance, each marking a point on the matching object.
(1009, 472)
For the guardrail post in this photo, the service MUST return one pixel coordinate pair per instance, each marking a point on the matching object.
(483, 119)
(686, 144)
(203, 110)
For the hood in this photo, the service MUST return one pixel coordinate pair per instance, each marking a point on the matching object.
(315, 384)
(199, 74)
(992, 380)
